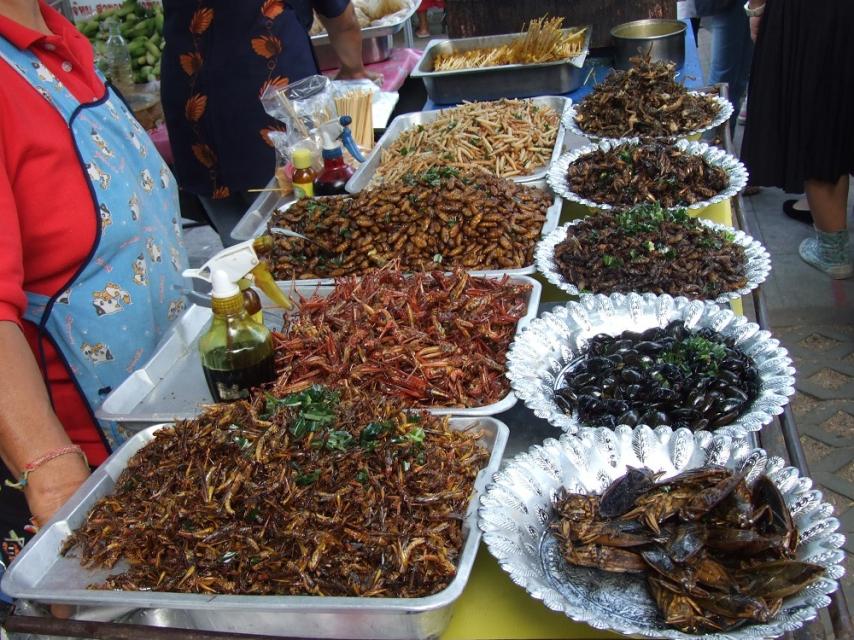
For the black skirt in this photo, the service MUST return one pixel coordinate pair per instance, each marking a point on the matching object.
(800, 115)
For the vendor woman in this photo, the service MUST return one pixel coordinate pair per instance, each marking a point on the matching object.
(220, 56)
(90, 261)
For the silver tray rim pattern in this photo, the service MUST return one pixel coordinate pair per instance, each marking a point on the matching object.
(537, 357)
(725, 110)
(734, 168)
(461, 44)
(517, 507)
(365, 173)
(22, 577)
(757, 267)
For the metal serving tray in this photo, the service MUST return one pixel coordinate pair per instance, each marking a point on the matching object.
(41, 574)
(374, 32)
(254, 224)
(376, 49)
(489, 83)
(171, 385)
(401, 123)
(254, 221)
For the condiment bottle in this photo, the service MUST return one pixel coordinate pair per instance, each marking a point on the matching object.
(304, 175)
(236, 351)
(335, 173)
(251, 300)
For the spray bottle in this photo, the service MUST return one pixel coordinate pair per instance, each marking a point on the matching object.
(236, 351)
(336, 172)
(245, 266)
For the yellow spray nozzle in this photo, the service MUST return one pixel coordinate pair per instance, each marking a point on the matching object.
(265, 281)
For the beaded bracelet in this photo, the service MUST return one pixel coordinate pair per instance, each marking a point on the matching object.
(45, 458)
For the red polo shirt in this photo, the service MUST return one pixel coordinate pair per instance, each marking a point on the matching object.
(47, 220)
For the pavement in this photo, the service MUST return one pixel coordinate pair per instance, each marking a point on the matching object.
(813, 316)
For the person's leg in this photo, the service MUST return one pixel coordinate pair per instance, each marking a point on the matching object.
(828, 202)
(224, 213)
(828, 250)
(732, 49)
(423, 29)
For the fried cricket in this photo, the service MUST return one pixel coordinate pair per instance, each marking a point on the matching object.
(312, 493)
(431, 339)
(644, 101)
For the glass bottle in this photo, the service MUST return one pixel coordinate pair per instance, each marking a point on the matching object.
(335, 174)
(304, 175)
(236, 351)
(117, 59)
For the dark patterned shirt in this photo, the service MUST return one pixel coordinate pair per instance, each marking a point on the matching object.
(219, 58)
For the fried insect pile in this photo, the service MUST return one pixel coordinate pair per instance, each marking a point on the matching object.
(648, 248)
(663, 376)
(438, 219)
(307, 494)
(644, 101)
(717, 553)
(429, 339)
(628, 174)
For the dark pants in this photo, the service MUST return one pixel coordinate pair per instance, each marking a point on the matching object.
(15, 525)
(224, 213)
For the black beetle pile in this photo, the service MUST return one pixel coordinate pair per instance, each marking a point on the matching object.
(663, 376)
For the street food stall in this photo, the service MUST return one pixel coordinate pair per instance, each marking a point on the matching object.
(523, 326)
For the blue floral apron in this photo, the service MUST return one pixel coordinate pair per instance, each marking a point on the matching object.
(111, 315)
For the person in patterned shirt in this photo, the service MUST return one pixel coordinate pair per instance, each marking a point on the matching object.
(220, 56)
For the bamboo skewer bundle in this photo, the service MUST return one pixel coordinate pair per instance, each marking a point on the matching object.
(543, 41)
(359, 106)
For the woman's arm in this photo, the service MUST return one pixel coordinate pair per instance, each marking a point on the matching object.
(29, 429)
(345, 36)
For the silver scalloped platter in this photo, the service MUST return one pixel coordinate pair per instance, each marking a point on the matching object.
(756, 270)
(517, 507)
(735, 171)
(724, 113)
(541, 353)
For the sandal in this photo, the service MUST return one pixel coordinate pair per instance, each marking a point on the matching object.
(422, 34)
(801, 215)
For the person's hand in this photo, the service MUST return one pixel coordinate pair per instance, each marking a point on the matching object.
(52, 484)
(48, 488)
(754, 27)
(360, 74)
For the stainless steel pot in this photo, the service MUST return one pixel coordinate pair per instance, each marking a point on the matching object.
(664, 40)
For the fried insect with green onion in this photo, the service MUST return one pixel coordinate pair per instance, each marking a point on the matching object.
(317, 493)
(650, 249)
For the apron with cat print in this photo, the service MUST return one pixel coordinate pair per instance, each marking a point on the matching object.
(112, 314)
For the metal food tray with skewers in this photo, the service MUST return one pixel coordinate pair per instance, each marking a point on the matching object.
(41, 574)
(506, 81)
(254, 224)
(401, 123)
(171, 385)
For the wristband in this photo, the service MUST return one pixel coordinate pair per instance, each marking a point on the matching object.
(753, 13)
(44, 459)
